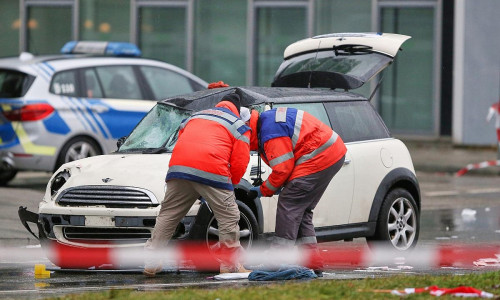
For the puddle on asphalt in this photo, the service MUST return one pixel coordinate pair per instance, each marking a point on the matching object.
(461, 225)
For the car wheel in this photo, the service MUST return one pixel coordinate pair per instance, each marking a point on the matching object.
(78, 148)
(7, 174)
(248, 228)
(398, 221)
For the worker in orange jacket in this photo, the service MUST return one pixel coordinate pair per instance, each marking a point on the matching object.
(304, 154)
(211, 154)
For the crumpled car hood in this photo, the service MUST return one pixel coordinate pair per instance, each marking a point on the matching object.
(146, 171)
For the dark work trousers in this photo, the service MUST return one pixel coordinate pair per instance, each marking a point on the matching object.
(296, 202)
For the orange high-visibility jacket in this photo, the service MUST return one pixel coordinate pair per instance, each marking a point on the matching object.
(295, 144)
(212, 148)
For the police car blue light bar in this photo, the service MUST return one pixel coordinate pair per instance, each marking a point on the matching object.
(101, 48)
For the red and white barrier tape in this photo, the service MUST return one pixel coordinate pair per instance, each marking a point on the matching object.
(481, 165)
(493, 111)
(461, 291)
(197, 256)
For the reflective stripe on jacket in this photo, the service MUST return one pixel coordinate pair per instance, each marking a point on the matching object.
(212, 148)
(295, 144)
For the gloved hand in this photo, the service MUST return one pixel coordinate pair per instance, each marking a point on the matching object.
(218, 84)
(254, 192)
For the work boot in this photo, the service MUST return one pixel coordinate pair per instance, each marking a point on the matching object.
(153, 264)
(238, 268)
(152, 270)
(315, 261)
(318, 272)
(228, 258)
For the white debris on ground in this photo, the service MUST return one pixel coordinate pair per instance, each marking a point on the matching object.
(231, 276)
(488, 262)
(468, 215)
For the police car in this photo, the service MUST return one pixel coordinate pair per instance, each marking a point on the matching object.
(113, 200)
(59, 108)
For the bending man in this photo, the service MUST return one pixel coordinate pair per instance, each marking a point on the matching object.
(211, 154)
(304, 155)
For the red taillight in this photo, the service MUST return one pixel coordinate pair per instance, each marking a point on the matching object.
(29, 112)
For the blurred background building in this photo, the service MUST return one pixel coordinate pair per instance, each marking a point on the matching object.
(441, 85)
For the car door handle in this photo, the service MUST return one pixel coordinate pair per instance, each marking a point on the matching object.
(99, 108)
(346, 162)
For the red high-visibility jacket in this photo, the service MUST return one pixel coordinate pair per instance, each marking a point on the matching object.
(212, 148)
(295, 144)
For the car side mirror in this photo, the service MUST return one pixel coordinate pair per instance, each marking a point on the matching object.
(120, 141)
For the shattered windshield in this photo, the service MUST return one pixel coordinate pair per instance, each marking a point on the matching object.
(157, 132)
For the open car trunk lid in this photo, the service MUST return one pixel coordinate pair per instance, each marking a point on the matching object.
(338, 60)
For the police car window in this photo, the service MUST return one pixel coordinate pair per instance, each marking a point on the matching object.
(356, 121)
(92, 87)
(119, 82)
(14, 84)
(64, 83)
(315, 109)
(166, 83)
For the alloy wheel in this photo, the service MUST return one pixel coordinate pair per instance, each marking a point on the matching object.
(246, 233)
(79, 150)
(401, 223)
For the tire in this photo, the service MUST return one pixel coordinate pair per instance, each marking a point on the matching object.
(7, 174)
(398, 223)
(248, 228)
(78, 148)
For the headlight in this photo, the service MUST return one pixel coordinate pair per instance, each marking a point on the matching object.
(58, 181)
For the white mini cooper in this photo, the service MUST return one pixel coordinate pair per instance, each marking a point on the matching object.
(112, 200)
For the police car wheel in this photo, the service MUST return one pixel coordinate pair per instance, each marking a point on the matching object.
(7, 173)
(398, 223)
(78, 148)
(248, 227)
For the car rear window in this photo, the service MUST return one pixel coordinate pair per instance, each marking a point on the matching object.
(356, 121)
(14, 84)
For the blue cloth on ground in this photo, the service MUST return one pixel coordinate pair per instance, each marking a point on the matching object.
(285, 272)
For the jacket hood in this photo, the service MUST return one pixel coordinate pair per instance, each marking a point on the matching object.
(230, 106)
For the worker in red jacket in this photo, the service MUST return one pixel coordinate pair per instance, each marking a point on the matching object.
(211, 154)
(304, 154)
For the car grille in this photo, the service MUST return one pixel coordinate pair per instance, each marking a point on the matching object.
(108, 234)
(109, 196)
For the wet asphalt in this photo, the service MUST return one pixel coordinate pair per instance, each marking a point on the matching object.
(455, 211)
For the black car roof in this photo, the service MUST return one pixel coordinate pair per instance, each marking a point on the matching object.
(261, 95)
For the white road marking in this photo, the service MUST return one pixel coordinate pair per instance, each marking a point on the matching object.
(483, 191)
(468, 192)
(441, 193)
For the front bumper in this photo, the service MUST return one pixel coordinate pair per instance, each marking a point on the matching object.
(26, 217)
(117, 231)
